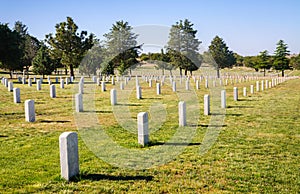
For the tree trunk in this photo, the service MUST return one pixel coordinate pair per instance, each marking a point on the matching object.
(163, 71)
(185, 72)
(66, 70)
(11, 73)
(191, 72)
(282, 73)
(71, 71)
(180, 71)
(264, 72)
(171, 72)
(218, 72)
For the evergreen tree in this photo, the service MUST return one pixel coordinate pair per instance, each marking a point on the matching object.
(42, 62)
(281, 62)
(264, 61)
(222, 56)
(68, 45)
(183, 46)
(121, 50)
(10, 51)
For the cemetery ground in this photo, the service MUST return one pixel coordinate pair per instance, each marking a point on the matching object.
(257, 149)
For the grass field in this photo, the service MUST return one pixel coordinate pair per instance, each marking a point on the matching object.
(257, 150)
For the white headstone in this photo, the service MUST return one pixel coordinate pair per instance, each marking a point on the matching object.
(103, 86)
(206, 104)
(80, 87)
(150, 83)
(158, 89)
(187, 84)
(257, 86)
(52, 91)
(267, 84)
(10, 86)
(235, 94)
(251, 89)
(206, 83)
(182, 113)
(112, 80)
(174, 86)
(121, 85)
(69, 160)
(17, 96)
(62, 83)
(143, 133)
(98, 81)
(113, 97)
(94, 79)
(38, 85)
(78, 103)
(29, 82)
(138, 92)
(244, 91)
(223, 98)
(29, 111)
(56, 79)
(23, 80)
(262, 85)
(197, 85)
(67, 81)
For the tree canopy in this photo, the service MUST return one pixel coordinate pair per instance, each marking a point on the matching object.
(183, 46)
(42, 62)
(120, 47)
(10, 51)
(222, 56)
(281, 62)
(68, 45)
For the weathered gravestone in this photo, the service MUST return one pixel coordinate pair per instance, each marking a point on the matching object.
(29, 111)
(143, 133)
(182, 113)
(69, 159)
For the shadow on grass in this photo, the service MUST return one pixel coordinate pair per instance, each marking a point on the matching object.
(212, 125)
(98, 177)
(172, 143)
(240, 106)
(3, 135)
(227, 114)
(129, 105)
(48, 121)
(98, 111)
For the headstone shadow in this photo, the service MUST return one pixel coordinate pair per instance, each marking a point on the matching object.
(98, 177)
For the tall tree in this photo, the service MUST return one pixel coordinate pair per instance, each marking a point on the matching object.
(42, 62)
(121, 48)
(222, 56)
(29, 44)
(281, 62)
(183, 46)
(68, 45)
(264, 61)
(10, 51)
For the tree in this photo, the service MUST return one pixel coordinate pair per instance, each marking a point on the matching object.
(29, 45)
(295, 61)
(42, 62)
(281, 62)
(183, 46)
(68, 45)
(10, 51)
(222, 56)
(121, 48)
(91, 62)
(264, 61)
(251, 61)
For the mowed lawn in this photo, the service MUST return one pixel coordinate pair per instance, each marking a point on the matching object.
(257, 149)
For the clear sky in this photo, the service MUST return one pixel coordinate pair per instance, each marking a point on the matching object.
(247, 26)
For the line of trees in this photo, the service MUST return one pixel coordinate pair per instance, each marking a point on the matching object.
(70, 48)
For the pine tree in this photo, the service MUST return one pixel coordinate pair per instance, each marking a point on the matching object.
(183, 46)
(281, 62)
(68, 45)
(121, 49)
(222, 56)
(264, 61)
(42, 62)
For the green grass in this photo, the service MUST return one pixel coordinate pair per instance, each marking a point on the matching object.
(257, 150)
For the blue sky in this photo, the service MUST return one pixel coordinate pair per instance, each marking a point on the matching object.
(247, 27)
